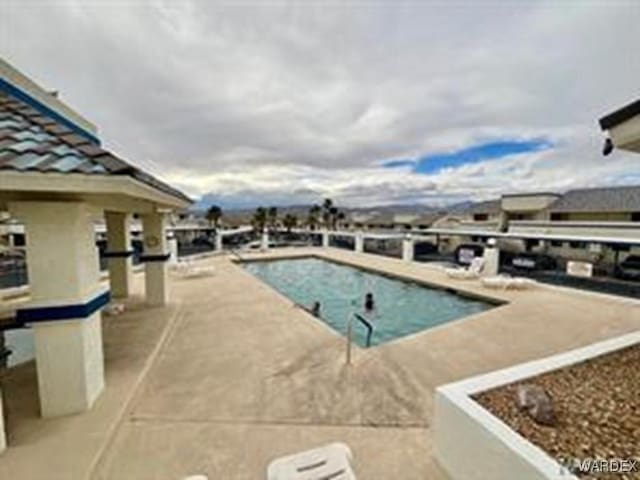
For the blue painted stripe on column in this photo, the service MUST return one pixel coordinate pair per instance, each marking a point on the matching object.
(163, 257)
(123, 254)
(63, 312)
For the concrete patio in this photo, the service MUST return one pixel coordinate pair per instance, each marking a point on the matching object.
(231, 375)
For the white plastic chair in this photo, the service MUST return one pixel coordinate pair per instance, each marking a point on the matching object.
(507, 283)
(473, 271)
(330, 461)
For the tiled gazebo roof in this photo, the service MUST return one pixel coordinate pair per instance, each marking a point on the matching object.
(30, 141)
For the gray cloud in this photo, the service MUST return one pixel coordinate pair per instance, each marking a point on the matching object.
(283, 102)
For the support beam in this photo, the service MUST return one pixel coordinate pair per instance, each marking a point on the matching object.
(156, 255)
(407, 248)
(264, 245)
(119, 253)
(66, 298)
(359, 242)
(491, 257)
(3, 437)
(325, 238)
(218, 240)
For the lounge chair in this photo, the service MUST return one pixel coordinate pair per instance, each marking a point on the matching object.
(505, 282)
(330, 461)
(472, 272)
(187, 269)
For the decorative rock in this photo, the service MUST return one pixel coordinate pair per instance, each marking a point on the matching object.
(537, 403)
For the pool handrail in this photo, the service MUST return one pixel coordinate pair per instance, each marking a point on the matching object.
(364, 322)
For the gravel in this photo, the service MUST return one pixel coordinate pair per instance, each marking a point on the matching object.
(597, 404)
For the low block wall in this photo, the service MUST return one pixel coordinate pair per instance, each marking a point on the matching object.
(472, 444)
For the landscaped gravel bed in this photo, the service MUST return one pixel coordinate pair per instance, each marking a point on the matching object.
(597, 405)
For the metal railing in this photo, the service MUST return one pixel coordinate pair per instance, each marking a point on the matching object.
(367, 325)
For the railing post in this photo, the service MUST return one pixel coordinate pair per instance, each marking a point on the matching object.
(349, 339)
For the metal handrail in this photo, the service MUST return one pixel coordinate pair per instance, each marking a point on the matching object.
(364, 322)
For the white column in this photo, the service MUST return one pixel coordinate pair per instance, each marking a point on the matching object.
(407, 249)
(359, 242)
(491, 257)
(65, 302)
(325, 238)
(172, 242)
(155, 257)
(265, 240)
(119, 244)
(218, 241)
(3, 436)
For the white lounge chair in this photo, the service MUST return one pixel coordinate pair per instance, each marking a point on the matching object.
(330, 461)
(472, 272)
(505, 282)
(187, 269)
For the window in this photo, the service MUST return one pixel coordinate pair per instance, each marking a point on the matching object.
(578, 244)
(559, 217)
(635, 217)
(480, 217)
(556, 243)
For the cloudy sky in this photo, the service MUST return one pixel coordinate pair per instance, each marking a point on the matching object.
(366, 102)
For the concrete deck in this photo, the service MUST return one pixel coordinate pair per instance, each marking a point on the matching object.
(232, 375)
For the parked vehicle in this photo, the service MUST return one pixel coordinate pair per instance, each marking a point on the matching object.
(629, 268)
(465, 253)
(425, 248)
(534, 261)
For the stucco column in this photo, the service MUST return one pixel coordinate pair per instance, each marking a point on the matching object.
(119, 252)
(218, 241)
(491, 258)
(325, 238)
(65, 303)
(359, 242)
(155, 257)
(407, 248)
(264, 244)
(3, 436)
(172, 243)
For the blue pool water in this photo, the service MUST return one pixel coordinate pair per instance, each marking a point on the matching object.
(402, 307)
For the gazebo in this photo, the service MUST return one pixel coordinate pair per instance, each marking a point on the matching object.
(58, 181)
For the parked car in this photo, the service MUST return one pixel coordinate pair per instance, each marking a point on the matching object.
(534, 261)
(425, 248)
(629, 268)
(466, 252)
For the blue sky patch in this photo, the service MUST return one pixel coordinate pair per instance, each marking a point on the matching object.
(434, 163)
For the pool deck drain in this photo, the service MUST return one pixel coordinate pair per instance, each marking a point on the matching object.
(246, 377)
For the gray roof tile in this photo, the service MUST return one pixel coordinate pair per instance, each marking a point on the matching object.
(30, 141)
(607, 199)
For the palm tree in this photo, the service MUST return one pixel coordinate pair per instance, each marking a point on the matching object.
(327, 205)
(259, 219)
(272, 217)
(312, 218)
(289, 221)
(214, 213)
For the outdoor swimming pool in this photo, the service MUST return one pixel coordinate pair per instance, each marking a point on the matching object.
(402, 307)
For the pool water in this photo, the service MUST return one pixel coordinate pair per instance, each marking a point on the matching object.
(402, 307)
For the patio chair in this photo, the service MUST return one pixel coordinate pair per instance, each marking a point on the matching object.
(187, 269)
(505, 282)
(330, 461)
(472, 272)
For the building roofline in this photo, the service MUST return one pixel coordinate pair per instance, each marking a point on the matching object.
(619, 116)
(531, 194)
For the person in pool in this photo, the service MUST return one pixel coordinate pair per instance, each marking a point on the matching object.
(369, 314)
(369, 303)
